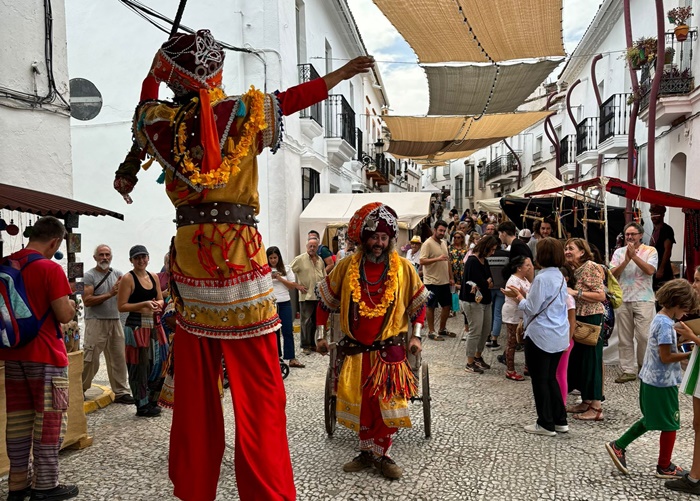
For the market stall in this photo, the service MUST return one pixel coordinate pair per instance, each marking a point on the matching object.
(22, 204)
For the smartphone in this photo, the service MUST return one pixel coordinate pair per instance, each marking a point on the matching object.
(686, 347)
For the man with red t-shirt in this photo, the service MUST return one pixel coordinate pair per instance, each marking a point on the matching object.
(36, 375)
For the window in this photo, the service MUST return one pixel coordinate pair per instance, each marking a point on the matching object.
(310, 185)
(446, 171)
(468, 180)
(329, 58)
(301, 31)
(459, 194)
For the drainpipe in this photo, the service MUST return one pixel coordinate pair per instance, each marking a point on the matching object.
(633, 114)
(573, 121)
(598, 100)
(553, 137)
(517, 158)
(660, 49)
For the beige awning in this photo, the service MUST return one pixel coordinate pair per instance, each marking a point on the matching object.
(506, 29)
(438, 157)
(464, 90)
(417, 137)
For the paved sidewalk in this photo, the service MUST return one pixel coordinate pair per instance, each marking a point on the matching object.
(478, 450)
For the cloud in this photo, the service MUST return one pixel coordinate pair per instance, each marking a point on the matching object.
(377, 32)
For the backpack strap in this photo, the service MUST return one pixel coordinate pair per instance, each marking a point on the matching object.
(31, 258)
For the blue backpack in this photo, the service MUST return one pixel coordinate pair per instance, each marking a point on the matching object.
(18, 323)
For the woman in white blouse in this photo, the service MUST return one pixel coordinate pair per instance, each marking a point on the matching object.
(283, 280)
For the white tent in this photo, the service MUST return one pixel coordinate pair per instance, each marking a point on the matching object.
(329, 208)
(544, 181)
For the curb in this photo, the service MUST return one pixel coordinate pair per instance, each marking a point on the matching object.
(101, 401)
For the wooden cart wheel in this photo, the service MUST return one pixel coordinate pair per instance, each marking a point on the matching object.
(425, 386)
(329, 404)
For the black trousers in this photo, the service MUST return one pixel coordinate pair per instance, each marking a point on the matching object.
(543, 373)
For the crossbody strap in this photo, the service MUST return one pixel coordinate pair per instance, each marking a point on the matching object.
(548, 305)
(102, 281)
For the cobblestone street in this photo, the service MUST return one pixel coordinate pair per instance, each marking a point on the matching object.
(478, 450)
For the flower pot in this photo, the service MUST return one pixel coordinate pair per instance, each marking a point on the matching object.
(681, 32)
(668, 57)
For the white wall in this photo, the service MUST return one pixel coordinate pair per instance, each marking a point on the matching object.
(35, 144)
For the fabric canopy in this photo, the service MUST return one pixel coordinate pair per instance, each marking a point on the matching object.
(506, 29)
(438, 157)
(629, 190)
(328, 208)
(544, 181)
(465, 90)
(416, 137)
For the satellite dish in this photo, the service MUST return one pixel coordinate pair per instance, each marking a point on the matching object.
(85, 99)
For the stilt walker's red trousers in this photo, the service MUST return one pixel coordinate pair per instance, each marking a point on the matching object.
(263, 466)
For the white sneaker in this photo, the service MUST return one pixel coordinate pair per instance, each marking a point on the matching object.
(537, 430)
(561, 428)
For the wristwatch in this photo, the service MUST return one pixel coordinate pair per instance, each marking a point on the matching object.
(580, 293)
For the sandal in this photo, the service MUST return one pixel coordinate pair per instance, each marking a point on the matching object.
(435, 337)
(296, 363)
(447, 333)
(514, 376)
(579, 409)
(598, 415)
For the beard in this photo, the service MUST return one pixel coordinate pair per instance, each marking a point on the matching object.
(383, 257)
(104, 265)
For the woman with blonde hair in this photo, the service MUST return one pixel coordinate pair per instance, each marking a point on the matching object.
(585, 371)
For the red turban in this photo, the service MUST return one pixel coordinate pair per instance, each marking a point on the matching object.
(370, 219)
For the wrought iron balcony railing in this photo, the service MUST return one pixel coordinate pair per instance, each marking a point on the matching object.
(614, 116)
(677, 78)
(315, 112)
(340, 119)
(587, 135)
(501, 165)
(567, 150)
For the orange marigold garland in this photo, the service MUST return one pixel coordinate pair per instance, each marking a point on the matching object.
(391, 285)
(233, 153)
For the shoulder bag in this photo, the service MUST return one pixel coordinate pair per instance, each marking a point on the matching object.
(522, 328)
(587, 334)
(104, 279)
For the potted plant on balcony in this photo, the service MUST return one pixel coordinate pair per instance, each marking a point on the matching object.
(668, 55)
(679, 16)
(642, 52)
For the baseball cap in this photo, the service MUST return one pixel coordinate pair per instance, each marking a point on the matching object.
(525, 233)
(137, 250)
(416, 240)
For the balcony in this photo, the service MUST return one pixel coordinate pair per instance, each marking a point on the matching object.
(311, 117)
(567, 156)
(587, 141)
(614, 120)
(674, 99)
(341, 137)
(379, 167)
(502, 170)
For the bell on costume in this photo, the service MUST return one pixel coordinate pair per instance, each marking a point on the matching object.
(12, 228)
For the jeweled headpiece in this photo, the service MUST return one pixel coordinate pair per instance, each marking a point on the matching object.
(372, 218)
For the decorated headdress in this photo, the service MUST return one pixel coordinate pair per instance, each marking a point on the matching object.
(191, 63)
(371, 218)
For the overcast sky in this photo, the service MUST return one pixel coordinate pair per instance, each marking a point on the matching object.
(406, 84)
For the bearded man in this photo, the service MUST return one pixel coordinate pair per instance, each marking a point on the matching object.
(377, 294)
(207, 144)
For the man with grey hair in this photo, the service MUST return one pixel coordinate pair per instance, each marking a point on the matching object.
(309, 269)
(634, 266)
(103, 327)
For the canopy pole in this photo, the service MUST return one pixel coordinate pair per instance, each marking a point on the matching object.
(603, 183)
(178, 17)
(561, 211)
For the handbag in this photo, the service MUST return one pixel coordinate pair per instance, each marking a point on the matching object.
(455, 302)
(614, 293)
(587, 334)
